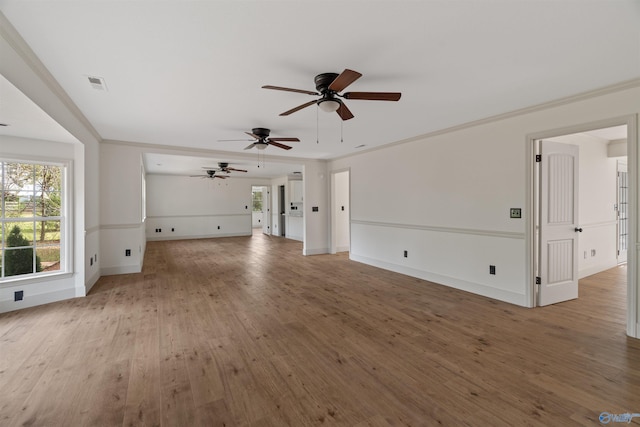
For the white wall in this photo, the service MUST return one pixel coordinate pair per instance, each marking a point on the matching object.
(121, 222)
(597, 199)
(197, 208)
(316, 194)
(448, 202)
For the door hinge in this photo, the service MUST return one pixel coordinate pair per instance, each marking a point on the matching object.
(538, 280)
(538, 158)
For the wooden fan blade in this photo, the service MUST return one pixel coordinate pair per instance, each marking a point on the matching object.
(288, 89)
(277, 144)
(344, 112)
(235, 170)
(253, 135)
(234, 140)
(197, 176)
(299, 107)
(285, 139)
(344, 79)
(250, 146)
(373, 96)
(220, 176)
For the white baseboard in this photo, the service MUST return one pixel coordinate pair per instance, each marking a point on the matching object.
(594, 270)
(206, 236)
(31, 300)
(319, 251)
(125, 269)
(92, 281)
(452, 282)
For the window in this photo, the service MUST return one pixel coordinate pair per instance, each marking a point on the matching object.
(257, 200)
(32, 218)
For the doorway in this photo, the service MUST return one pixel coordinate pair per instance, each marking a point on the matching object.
(596, 216)
(260, 212)
(282, 210)
(340, 212)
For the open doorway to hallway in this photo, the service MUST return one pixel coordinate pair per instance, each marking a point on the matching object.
(600, 219)
(260, 209)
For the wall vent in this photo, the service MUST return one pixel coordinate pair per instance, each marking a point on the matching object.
(97, 83)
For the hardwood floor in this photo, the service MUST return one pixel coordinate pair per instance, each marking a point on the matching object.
(247, 332)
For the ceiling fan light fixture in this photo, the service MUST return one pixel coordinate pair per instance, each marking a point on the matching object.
(261, 145)
(329, 105)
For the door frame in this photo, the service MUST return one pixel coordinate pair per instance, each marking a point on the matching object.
(633, 328)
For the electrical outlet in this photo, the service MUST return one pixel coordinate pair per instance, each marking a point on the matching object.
(405, 254)
(492, 269)
(18, 295)
(127, 252)
(515, 213)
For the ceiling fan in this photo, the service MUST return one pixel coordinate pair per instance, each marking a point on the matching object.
(262, 140)
(328, 85)
(210, 175)
(224, 167)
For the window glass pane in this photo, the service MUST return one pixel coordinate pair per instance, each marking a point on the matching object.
(19, 176)
(257, 201)
(17, 205)
(48, 256)
(18, 261)
(18, 234)
(30, 191)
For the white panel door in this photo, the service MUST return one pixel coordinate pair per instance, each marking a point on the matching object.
(559, 228)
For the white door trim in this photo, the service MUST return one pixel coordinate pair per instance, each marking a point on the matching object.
(633, 294)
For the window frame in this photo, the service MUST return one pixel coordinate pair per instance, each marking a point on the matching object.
(65, 218)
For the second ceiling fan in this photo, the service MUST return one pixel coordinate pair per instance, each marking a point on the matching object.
(328, 85)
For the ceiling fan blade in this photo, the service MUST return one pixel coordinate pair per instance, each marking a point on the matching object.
(250, 146)
(236, 170)
(277, 144)
(373, 96)
(344, 112)
(288, 89)
(253, 135)
(285, 139)
(299, 107)
(233, 140)
(220, 176)
(197, 176)
(344, 79)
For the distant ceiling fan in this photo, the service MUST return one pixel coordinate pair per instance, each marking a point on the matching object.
(328, 85)
(262, 139)
(210, 175)
(224, 167)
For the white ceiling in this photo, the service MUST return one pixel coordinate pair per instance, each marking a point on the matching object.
(189, 73)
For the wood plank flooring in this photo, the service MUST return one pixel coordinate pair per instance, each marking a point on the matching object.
(247, 332)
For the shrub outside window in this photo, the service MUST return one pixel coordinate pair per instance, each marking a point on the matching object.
(32, 219)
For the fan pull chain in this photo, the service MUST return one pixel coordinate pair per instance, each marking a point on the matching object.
(341, 131)
(317, 125)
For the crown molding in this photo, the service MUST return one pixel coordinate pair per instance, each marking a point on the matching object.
(177, 150)
(617, 87)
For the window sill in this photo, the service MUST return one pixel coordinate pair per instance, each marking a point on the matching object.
(44, 277)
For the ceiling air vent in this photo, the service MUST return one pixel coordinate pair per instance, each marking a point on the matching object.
(97, 83)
